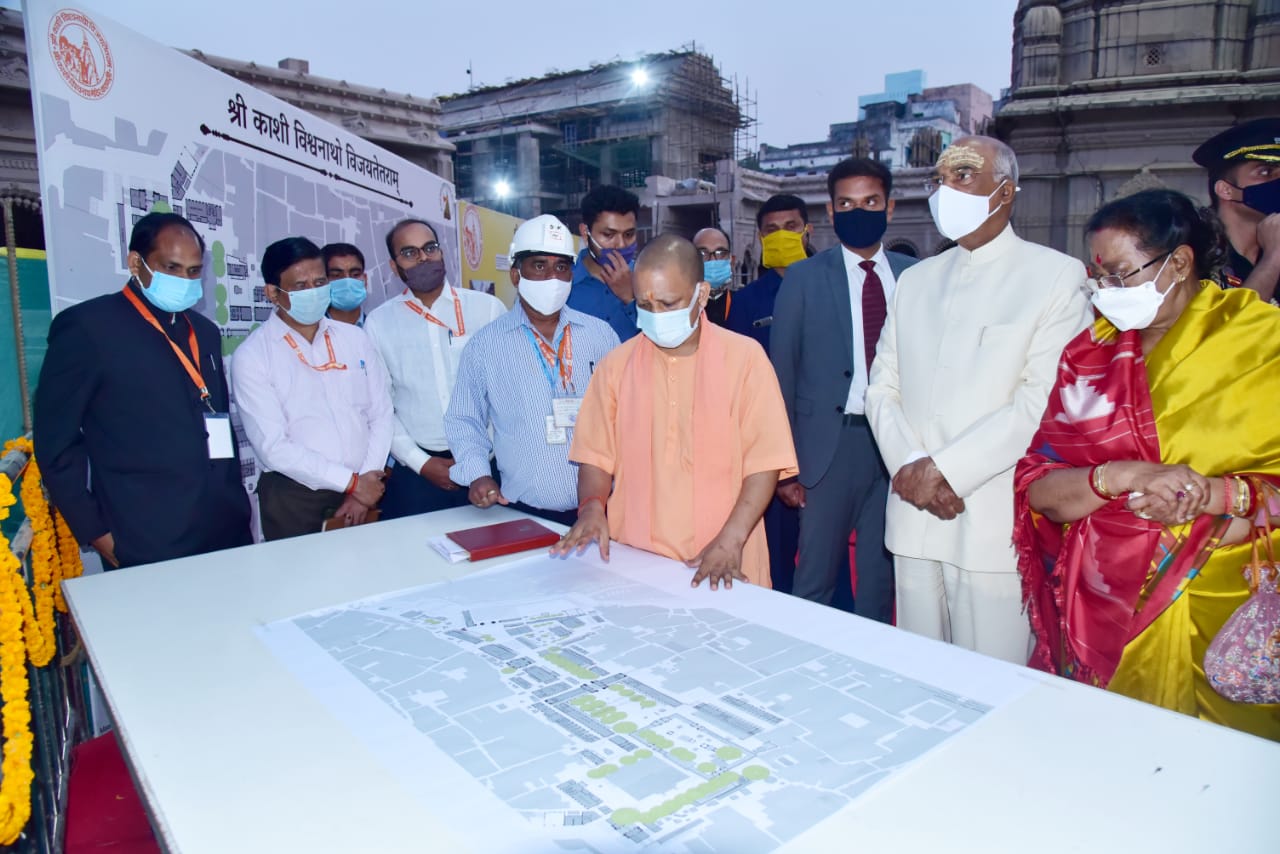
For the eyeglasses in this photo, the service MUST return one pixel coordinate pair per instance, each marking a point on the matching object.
(1116, 281)
(717, 254)
(413, 253)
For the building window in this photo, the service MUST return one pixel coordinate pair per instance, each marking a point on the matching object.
(1155, 55)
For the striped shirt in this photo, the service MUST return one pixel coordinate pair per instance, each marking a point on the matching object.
(505, 383)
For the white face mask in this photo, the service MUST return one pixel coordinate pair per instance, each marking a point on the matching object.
(1132, 308)
(957, 213)
(546, 296)
(667, 329)
(309, 305)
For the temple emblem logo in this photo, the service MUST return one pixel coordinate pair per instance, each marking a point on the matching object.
(81, 54)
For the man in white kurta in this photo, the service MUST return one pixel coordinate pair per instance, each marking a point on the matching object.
(960, 380)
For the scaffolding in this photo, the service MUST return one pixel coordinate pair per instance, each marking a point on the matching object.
(587, 127)
(746, 146)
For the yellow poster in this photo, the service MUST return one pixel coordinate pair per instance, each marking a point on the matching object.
(484, 238)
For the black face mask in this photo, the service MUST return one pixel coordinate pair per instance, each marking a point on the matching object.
(860, 229)
(1263, 198)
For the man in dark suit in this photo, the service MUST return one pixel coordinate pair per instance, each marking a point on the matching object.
(826, 323)
(131, 413)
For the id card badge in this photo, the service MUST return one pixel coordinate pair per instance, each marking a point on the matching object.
(222, 444)
(565, 410)
(556, 435)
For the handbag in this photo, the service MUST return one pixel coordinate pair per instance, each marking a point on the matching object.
(1243, 661)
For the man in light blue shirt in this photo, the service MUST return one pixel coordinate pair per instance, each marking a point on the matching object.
(521, 380)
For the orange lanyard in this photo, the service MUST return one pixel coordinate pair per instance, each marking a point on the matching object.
(457, 313)
(562, 356)
(191, 365)
(332, 365)
(728, 301)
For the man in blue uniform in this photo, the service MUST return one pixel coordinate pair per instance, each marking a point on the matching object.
(783, 223)
(602, 284)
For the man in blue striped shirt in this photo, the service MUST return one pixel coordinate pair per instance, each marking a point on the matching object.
(524, 375)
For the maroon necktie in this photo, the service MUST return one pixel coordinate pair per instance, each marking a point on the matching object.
(873, 310)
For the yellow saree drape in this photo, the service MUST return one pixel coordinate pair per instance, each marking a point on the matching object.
(1215, 391)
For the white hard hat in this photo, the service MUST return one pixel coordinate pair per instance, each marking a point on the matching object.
(544, 235)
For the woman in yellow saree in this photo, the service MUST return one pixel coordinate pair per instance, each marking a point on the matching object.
(1157, 455)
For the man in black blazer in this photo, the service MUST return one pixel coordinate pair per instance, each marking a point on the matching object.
(131, 424)
(826, 323)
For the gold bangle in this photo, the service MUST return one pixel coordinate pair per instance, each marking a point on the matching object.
(1100, 481)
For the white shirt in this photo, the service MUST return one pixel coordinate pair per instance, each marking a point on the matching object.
(317, 427)
(422, 360)
(856, 402)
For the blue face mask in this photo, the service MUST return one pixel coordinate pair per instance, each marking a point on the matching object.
(308, 306)
(718, 272)
(171, 293)
(346, 294)
(626, 254)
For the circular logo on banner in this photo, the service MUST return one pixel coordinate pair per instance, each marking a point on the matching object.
(81, 54)
(472, 238)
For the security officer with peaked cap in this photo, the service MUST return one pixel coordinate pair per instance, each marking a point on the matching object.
(1244, 188)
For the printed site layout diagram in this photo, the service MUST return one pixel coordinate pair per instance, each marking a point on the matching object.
(607, 713)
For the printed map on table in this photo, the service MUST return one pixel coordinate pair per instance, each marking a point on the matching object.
(608, 713)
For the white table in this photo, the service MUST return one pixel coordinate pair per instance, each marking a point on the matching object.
(233, 754)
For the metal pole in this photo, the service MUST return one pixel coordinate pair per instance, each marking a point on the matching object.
(11, 243)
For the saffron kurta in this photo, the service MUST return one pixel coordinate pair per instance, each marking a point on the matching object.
(679, 435)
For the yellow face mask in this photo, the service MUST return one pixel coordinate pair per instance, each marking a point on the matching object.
(782, 248)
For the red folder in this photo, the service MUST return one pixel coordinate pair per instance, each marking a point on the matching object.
(504, 538)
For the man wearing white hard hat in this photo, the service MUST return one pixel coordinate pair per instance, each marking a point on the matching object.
(520, 383)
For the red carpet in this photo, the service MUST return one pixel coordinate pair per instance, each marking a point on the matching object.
(104, 811)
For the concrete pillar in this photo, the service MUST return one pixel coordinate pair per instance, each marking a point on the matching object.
(607, 165)
(482, 175)
(527, 178)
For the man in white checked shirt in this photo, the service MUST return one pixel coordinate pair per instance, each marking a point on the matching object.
(312, 394)
(524, 376)
(421, 334)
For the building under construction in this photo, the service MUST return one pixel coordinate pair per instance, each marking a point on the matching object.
(537, 146)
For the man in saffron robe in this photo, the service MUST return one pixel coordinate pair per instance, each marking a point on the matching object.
(683, 434)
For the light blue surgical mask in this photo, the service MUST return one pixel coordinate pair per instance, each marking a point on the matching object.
(718, 272)
(346, 294)
(667, 329)
(171, 293)
(308, 306)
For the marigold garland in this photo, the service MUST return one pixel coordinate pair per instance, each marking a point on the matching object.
(27, 630)
(38, 620)
(15, 787)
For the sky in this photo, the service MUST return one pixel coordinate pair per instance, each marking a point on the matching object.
(805, 63)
